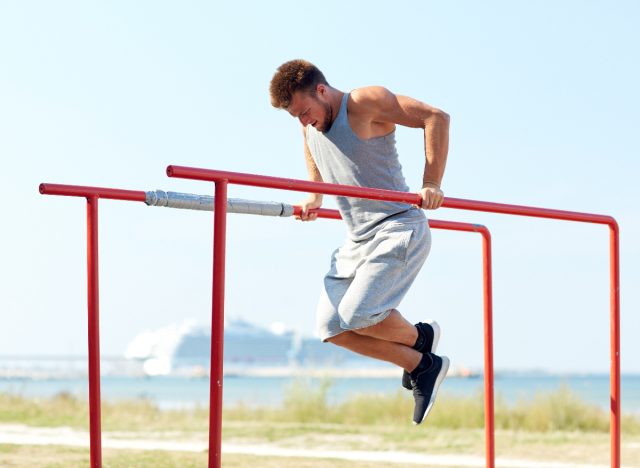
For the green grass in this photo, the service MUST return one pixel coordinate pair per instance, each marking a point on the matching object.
(560, 410)
(66, 410)
(554, 426)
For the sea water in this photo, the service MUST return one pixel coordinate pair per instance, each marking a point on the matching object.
(187, 392)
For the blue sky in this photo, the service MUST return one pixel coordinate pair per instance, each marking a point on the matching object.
(544, 104)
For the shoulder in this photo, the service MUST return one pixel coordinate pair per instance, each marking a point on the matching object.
(371, 97)
(372, 104)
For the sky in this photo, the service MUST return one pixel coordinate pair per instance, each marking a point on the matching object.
(544, 105)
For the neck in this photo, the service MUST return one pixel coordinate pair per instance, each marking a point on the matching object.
(335, 101)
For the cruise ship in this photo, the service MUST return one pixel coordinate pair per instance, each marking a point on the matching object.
(248, 348)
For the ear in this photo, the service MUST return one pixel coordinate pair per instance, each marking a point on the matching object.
(321, 89)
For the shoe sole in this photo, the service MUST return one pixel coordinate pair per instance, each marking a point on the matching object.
(441, 375)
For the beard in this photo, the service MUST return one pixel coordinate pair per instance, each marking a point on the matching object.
(326, 124)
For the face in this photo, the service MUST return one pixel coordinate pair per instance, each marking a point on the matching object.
(312, 109)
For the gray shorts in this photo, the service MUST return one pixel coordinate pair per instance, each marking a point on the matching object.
(369, 278)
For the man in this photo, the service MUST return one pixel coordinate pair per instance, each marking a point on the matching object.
(349, 138)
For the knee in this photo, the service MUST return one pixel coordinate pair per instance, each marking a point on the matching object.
(343, 339)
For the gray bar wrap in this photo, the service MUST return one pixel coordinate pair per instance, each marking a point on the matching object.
(190, 201)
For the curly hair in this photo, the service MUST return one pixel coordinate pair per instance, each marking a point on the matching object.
(292, 76)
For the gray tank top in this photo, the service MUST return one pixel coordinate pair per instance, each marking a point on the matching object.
(344, 158)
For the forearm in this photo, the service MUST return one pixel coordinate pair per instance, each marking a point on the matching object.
(436, 144)
(312, 170)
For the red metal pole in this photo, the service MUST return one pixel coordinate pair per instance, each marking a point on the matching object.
(520, 210)
(292, 184)
(489, 424)
(614, 262)
(99, 192)
(377, 194)
(217, 342)
(217, 325)
(223, 178)
(93, 331)
(321, 212)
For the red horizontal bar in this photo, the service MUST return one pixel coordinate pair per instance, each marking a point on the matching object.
(321, 212)
(520, 210)
(378, 194)
(434, 223)
(292, 184)
(99, 192)
(454, 226)
(138, 195)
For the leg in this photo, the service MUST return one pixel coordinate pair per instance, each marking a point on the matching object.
(397, 329)
(396, 353)
(394, 328)
(427, 371)
(357, 309)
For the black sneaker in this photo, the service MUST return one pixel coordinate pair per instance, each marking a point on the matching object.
(431, 333)
(425, 381)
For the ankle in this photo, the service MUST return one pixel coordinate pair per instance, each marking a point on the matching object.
(420, 339)
(425, 363)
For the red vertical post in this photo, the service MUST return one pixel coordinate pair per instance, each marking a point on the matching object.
(614, 269)
(93, 300)
(488, 351)
(217, 324)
